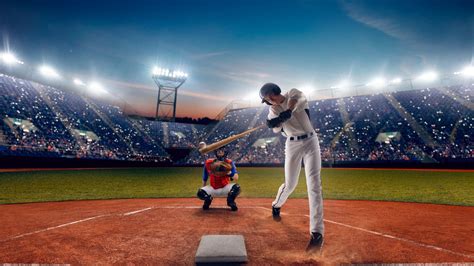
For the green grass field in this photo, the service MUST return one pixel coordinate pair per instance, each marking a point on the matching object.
(456, 188)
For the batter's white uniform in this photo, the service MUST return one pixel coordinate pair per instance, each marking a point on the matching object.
(296, 151)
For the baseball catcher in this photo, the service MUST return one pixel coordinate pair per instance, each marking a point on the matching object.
(220, 171)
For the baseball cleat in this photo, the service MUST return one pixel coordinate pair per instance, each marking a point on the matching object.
(315, 243)
(207, 203)
(233, 206)
(276, 214)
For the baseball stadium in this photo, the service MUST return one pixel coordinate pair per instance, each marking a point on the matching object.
(212, 133)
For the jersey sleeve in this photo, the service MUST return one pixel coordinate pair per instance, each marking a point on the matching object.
(233, 171)
(302, 102)
(205, 174)
(272, 113)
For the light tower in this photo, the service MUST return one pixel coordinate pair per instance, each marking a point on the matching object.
(168, 82)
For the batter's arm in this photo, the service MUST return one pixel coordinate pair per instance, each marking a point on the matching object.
(272, 113)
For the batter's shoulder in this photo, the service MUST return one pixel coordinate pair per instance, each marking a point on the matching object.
(294, 93)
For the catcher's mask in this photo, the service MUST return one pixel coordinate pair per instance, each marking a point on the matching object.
(223, 154)
(269, 88)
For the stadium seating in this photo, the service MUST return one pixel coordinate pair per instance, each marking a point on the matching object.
(433, 124)
(19, 101)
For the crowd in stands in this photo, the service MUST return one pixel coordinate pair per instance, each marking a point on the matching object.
(447, 115)
(185, 135)
(39, 120)
(19, 101)
(63, 122)
(348, 129)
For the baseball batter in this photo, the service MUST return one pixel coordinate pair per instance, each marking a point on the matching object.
(219, 171)
(289, 114)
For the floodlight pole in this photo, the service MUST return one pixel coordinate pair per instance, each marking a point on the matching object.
(167, 96)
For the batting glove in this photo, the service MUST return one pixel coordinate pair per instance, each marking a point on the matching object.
(285, 115)
(275, 122)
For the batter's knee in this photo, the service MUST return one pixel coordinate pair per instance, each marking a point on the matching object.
(291, 187)
(202, 194)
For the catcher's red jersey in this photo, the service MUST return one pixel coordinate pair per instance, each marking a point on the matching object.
(217, 181)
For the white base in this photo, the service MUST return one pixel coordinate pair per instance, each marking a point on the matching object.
(221, 248)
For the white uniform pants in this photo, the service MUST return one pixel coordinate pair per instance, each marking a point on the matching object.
(220, 192)
(308, 151)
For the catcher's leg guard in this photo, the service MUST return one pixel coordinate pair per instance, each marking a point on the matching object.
(202, 194)
(234, 192)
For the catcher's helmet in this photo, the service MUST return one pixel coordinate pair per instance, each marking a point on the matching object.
(267, 89)
(221, 158)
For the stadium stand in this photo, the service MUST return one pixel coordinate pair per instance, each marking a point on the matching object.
(429, 125)
(28, 124)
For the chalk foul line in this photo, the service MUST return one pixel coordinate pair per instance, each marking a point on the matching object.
(55, 227)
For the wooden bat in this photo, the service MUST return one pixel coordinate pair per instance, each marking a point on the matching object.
(203, 148)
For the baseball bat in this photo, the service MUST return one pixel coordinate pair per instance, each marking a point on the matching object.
(220, 143)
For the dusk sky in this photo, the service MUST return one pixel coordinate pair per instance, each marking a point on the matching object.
(231, 48)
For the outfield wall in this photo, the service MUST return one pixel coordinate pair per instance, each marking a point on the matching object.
(60, 162)
(41, 162)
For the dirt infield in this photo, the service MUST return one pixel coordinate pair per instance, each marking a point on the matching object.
(167, 231)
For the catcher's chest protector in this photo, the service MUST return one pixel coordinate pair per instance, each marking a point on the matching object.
(217, 181)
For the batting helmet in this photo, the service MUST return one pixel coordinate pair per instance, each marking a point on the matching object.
(267, 89)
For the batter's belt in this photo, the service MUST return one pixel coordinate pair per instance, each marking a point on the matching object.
(302, 137)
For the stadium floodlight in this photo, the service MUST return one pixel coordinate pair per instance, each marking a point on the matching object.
(341, 85)
(251, 96)
(49, 72)
(180, 74)
(9, 59)
(428, 76)
(168, 82)
(79, 82)
(307, 90)
(97, 88)
(396, 81)
(468, 72)
(156, 71)
(168, 74)
(377, 82)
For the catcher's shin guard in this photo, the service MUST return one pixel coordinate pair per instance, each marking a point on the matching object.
(234, 192)
(202, 194)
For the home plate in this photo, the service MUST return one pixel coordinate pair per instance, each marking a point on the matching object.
(221, 249)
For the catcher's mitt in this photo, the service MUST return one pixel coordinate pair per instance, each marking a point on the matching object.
(220, 168)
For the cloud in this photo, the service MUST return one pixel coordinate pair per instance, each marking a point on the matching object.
(381, 22)
(208, 55)
(423, 25)
(430, 33)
